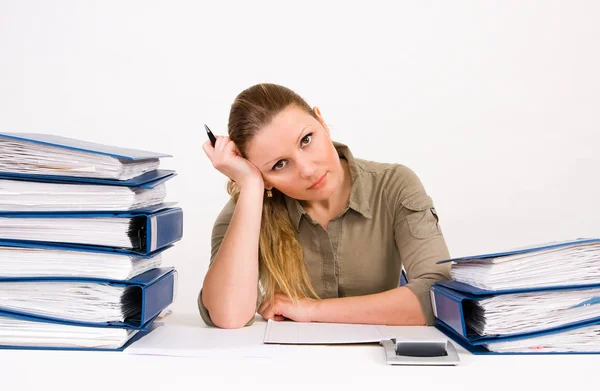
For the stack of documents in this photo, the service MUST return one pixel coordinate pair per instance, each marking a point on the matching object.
(538, 299)
(555, 264)
(515, 313)
(33, 153)
(83, 232)
(48, 261)
(141, 230)
(24, 333)
(571, 340)
(22, 195)
(40, 172)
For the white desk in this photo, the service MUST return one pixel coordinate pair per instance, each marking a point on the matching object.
(321, 367)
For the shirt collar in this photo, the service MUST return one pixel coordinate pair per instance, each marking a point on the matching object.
(359, 193)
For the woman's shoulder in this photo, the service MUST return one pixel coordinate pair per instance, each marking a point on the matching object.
(397, 182)
(393, 174)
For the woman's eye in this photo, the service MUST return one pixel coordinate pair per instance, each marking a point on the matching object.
(306, 139)
(279, 165)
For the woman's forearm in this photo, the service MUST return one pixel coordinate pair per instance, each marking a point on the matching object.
(399, 306)
(229, 291)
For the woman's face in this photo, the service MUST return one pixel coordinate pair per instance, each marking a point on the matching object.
(296, 156)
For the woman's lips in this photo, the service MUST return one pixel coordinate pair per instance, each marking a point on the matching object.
(319, 183)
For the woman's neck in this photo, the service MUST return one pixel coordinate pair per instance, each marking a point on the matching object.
(324, 211)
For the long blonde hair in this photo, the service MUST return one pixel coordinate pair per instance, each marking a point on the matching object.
(281, 258)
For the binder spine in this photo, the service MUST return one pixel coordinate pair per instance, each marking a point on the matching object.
(157, 296)
(449, 309)
(164, 228)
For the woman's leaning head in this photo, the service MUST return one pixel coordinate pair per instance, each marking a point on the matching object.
(287, 140)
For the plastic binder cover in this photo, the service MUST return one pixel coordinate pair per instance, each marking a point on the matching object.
(556, 341)
(146, 180)
(148, 230)
(20, 332)
(49, 154)
(451, 301)
(151, 293)
(572, 262)
(38, 260)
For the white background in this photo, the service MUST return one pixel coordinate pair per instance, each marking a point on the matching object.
(495, 105)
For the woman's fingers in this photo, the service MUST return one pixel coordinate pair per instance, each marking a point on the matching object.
(230, 149)
(266, 310)
(208, 149)
(222, 141)
(263, 306)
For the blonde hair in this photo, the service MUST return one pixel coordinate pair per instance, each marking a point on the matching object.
(281, 258)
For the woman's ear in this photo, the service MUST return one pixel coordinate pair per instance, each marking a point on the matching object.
(319, 116)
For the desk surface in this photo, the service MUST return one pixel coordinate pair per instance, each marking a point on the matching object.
(322, 366)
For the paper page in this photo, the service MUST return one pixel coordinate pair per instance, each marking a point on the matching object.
(102, 231)
(560, 267)
(18, 156)
(36, 262)
(18, 195)
(206, 342)
(19, 332)
(288, 332)
(533, 311)
(77, 301)
(579, 340)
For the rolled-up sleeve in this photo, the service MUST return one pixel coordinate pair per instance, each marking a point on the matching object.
(419, 239)
(218, 233)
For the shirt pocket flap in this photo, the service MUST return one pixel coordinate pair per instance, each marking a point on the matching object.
(417, 202)
(421, 218)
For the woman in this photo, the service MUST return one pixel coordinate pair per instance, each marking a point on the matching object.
(322, 234)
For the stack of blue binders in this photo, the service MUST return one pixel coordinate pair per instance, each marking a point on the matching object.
(542, 299)
(83, 231)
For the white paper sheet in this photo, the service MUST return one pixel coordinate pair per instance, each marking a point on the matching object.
(19, 332)
(35, 262)
(34, 158)
(39, 196)
(534, 311)
(101, 231)
(584, 339)
(206, 342)
(578, 264)
(77, 301)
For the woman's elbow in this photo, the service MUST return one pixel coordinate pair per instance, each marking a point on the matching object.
(230, 321)
(230, 317)
(226, 315)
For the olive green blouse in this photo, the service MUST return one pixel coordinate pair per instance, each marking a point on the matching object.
(389, 224)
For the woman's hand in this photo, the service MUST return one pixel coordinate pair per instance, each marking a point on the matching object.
(226, 158)
(284, 308)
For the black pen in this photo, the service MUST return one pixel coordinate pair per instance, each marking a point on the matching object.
(211, 136)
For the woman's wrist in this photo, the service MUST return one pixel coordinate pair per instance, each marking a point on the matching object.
(252, 186)
(314, 311)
